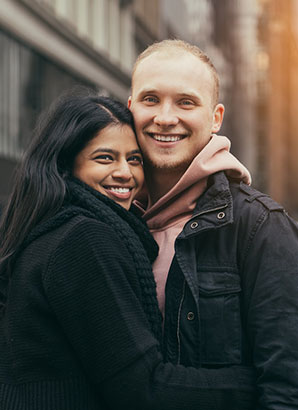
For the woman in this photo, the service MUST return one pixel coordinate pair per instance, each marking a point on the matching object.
(80, 326)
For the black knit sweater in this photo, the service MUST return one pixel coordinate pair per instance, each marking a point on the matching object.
(131, 230)
(80, 326)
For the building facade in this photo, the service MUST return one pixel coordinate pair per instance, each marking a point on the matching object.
(279, 42)
(48, 46)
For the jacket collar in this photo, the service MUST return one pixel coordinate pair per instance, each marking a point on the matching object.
(214, 207)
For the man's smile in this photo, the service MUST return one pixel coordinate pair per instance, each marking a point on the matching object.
(166, 137)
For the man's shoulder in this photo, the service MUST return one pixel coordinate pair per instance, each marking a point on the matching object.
(246, 197)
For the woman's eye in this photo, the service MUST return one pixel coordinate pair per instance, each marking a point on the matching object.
(135, 160)
(104, 158)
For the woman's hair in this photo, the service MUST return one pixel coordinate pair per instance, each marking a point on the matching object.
(40, 180)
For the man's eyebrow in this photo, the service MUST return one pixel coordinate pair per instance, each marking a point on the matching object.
(184, 94)
(148, 91)
(189, 94)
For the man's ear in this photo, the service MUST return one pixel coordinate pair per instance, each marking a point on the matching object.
(129, 102)
(218, 115)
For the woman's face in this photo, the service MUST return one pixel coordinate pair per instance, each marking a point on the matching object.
(111, 163)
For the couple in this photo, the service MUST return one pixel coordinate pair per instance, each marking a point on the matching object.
(84, 323)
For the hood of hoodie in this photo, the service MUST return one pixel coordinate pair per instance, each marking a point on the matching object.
(167, 217)
(180, 201)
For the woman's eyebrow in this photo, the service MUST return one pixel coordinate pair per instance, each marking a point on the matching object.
(112, 151)
(135, 151)
(103, 149)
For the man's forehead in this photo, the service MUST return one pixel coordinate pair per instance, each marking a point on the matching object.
(189, 63)
(162, 55)
(157, 65)
(155, 61)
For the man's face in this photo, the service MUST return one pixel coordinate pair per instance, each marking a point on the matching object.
(172, 103)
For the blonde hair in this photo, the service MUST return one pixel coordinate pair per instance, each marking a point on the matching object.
(172, 45)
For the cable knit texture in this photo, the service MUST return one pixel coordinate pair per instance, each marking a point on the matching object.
(83, 200)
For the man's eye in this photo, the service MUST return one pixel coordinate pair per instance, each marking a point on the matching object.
(135, 160)
(186, 102)
(150, 100)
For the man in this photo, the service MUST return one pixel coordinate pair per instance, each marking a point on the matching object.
(227, 271)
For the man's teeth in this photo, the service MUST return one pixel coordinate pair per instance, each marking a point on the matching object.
(167, 138)
(120, 190)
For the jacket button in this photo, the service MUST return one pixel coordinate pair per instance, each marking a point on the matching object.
(194, 225)
(190, 316)
(221, 215)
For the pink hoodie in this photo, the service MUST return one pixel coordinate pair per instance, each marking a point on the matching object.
(167, 217)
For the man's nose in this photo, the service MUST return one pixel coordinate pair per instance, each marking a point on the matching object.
(122, 171)
(166, 115)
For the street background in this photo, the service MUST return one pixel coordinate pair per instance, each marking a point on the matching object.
(48, 46)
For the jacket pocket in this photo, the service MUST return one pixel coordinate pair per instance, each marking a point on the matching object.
(220, 317)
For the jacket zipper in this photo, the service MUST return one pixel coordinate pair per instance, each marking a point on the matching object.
(178, 322)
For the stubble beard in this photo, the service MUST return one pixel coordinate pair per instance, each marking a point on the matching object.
(166, 165)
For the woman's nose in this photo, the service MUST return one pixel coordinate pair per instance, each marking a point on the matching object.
(122, 171)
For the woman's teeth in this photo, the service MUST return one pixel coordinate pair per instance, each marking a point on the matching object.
(119, 190)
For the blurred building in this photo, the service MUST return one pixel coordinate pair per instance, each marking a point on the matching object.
(278, 112)
(235, 34)
(227, 32)
(48, 46)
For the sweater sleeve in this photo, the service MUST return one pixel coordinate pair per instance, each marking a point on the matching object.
(90, 286)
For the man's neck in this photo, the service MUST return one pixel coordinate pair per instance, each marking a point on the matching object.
(159, 182)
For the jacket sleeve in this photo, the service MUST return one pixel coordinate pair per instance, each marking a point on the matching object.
(91, 288)
(270, 285)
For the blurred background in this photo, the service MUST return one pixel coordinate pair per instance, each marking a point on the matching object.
(48, 46)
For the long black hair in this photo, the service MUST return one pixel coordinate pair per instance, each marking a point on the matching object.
(40, 180)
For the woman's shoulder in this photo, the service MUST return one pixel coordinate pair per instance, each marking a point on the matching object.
(72, 233)
(79, 239)
(87, 227)
(77, 228)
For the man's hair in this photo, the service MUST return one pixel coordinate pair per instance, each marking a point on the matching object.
(174, 45)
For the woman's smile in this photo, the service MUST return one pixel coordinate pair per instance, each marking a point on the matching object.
(112, 164)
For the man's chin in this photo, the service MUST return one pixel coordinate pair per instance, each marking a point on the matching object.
(165, 166)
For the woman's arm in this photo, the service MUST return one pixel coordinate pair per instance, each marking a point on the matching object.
(91, 286)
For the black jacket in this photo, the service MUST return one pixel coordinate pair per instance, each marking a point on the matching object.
(232, 290)
(76, 334)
